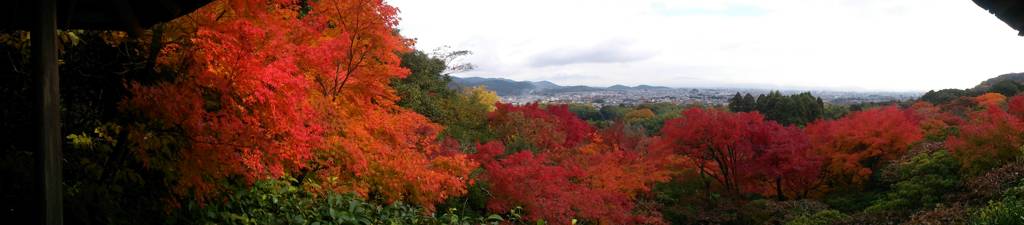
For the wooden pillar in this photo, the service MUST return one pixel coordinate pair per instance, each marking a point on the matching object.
(48, 158)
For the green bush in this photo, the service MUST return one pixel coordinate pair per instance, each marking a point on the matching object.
(1010, 210)
(921, 182)
(765, 211)
(823, 217)
(279, 202)
(1001, 212)
(846, 200)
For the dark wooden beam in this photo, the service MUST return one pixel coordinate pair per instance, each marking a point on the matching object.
(48, 158)
(1009, 11)
(124, 15)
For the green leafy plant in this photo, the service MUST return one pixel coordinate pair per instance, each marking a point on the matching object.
(280, 202)
(922, 182)
(823, 217)
(1009, 210)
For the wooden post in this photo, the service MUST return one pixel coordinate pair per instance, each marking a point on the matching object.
(48, 158)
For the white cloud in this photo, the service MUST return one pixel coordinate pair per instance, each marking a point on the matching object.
(607, 52)
(840, 44)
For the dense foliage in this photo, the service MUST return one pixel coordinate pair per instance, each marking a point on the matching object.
(463, 113)
(855, 146)
(320, 112)
(798, 109)
(565, 169)
(742, 152)
(280, 202)
(921, 182)
(253, 101)
(943, 96)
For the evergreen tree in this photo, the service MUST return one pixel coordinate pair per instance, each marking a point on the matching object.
(796, 109)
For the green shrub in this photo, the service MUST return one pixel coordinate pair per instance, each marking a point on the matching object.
(955, 213)
(921, 182)
(999, 213)
(764, 211)
(851, 200)
(1010, 210)
(823, 217)
(279, 202)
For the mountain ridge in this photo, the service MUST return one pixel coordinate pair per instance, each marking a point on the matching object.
(986, 85)
(507, 87)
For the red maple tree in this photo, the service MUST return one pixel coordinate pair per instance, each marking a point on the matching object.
(742, 152)
(268, 88)
(855, 144)
(574, 173)
(552, 127)
(1015, 106)
(990, 137)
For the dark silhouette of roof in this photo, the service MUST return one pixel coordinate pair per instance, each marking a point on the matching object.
(126, 15)
(1010, 11)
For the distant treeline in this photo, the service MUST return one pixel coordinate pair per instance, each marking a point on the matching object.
(1005, 87)
(798, 109)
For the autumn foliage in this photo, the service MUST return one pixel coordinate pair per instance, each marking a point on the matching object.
(854, 145)
(572, 172)
(553, 127)
(242, 105)
(302, 89)
(315, 112)
(991, 137)
(1015, 106)
(988, 99)
(743, 153)
(935, 123)
(266, 92)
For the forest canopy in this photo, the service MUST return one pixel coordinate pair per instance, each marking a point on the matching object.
(321, 112)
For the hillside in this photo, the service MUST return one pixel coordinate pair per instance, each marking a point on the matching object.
(984, 86)
(506, 87)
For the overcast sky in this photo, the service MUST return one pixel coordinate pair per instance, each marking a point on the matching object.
(890, 45)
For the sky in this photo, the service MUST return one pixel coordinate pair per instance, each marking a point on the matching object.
(853, 45)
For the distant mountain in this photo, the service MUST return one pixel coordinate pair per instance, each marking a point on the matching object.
(987, 84)
(506, 87)
(618, 87)
(545, 85)
(649, 87)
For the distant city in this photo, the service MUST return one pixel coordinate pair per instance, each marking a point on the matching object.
(711, 96)
(522, 92)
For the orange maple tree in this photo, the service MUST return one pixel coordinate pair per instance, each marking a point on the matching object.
(743, 153)
(1015, 106)
(571, 171)
(991, 98)
(239, 103)
(269, 88)
(989, 138)
(934, 123)
(552, 127)
(853, 145)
